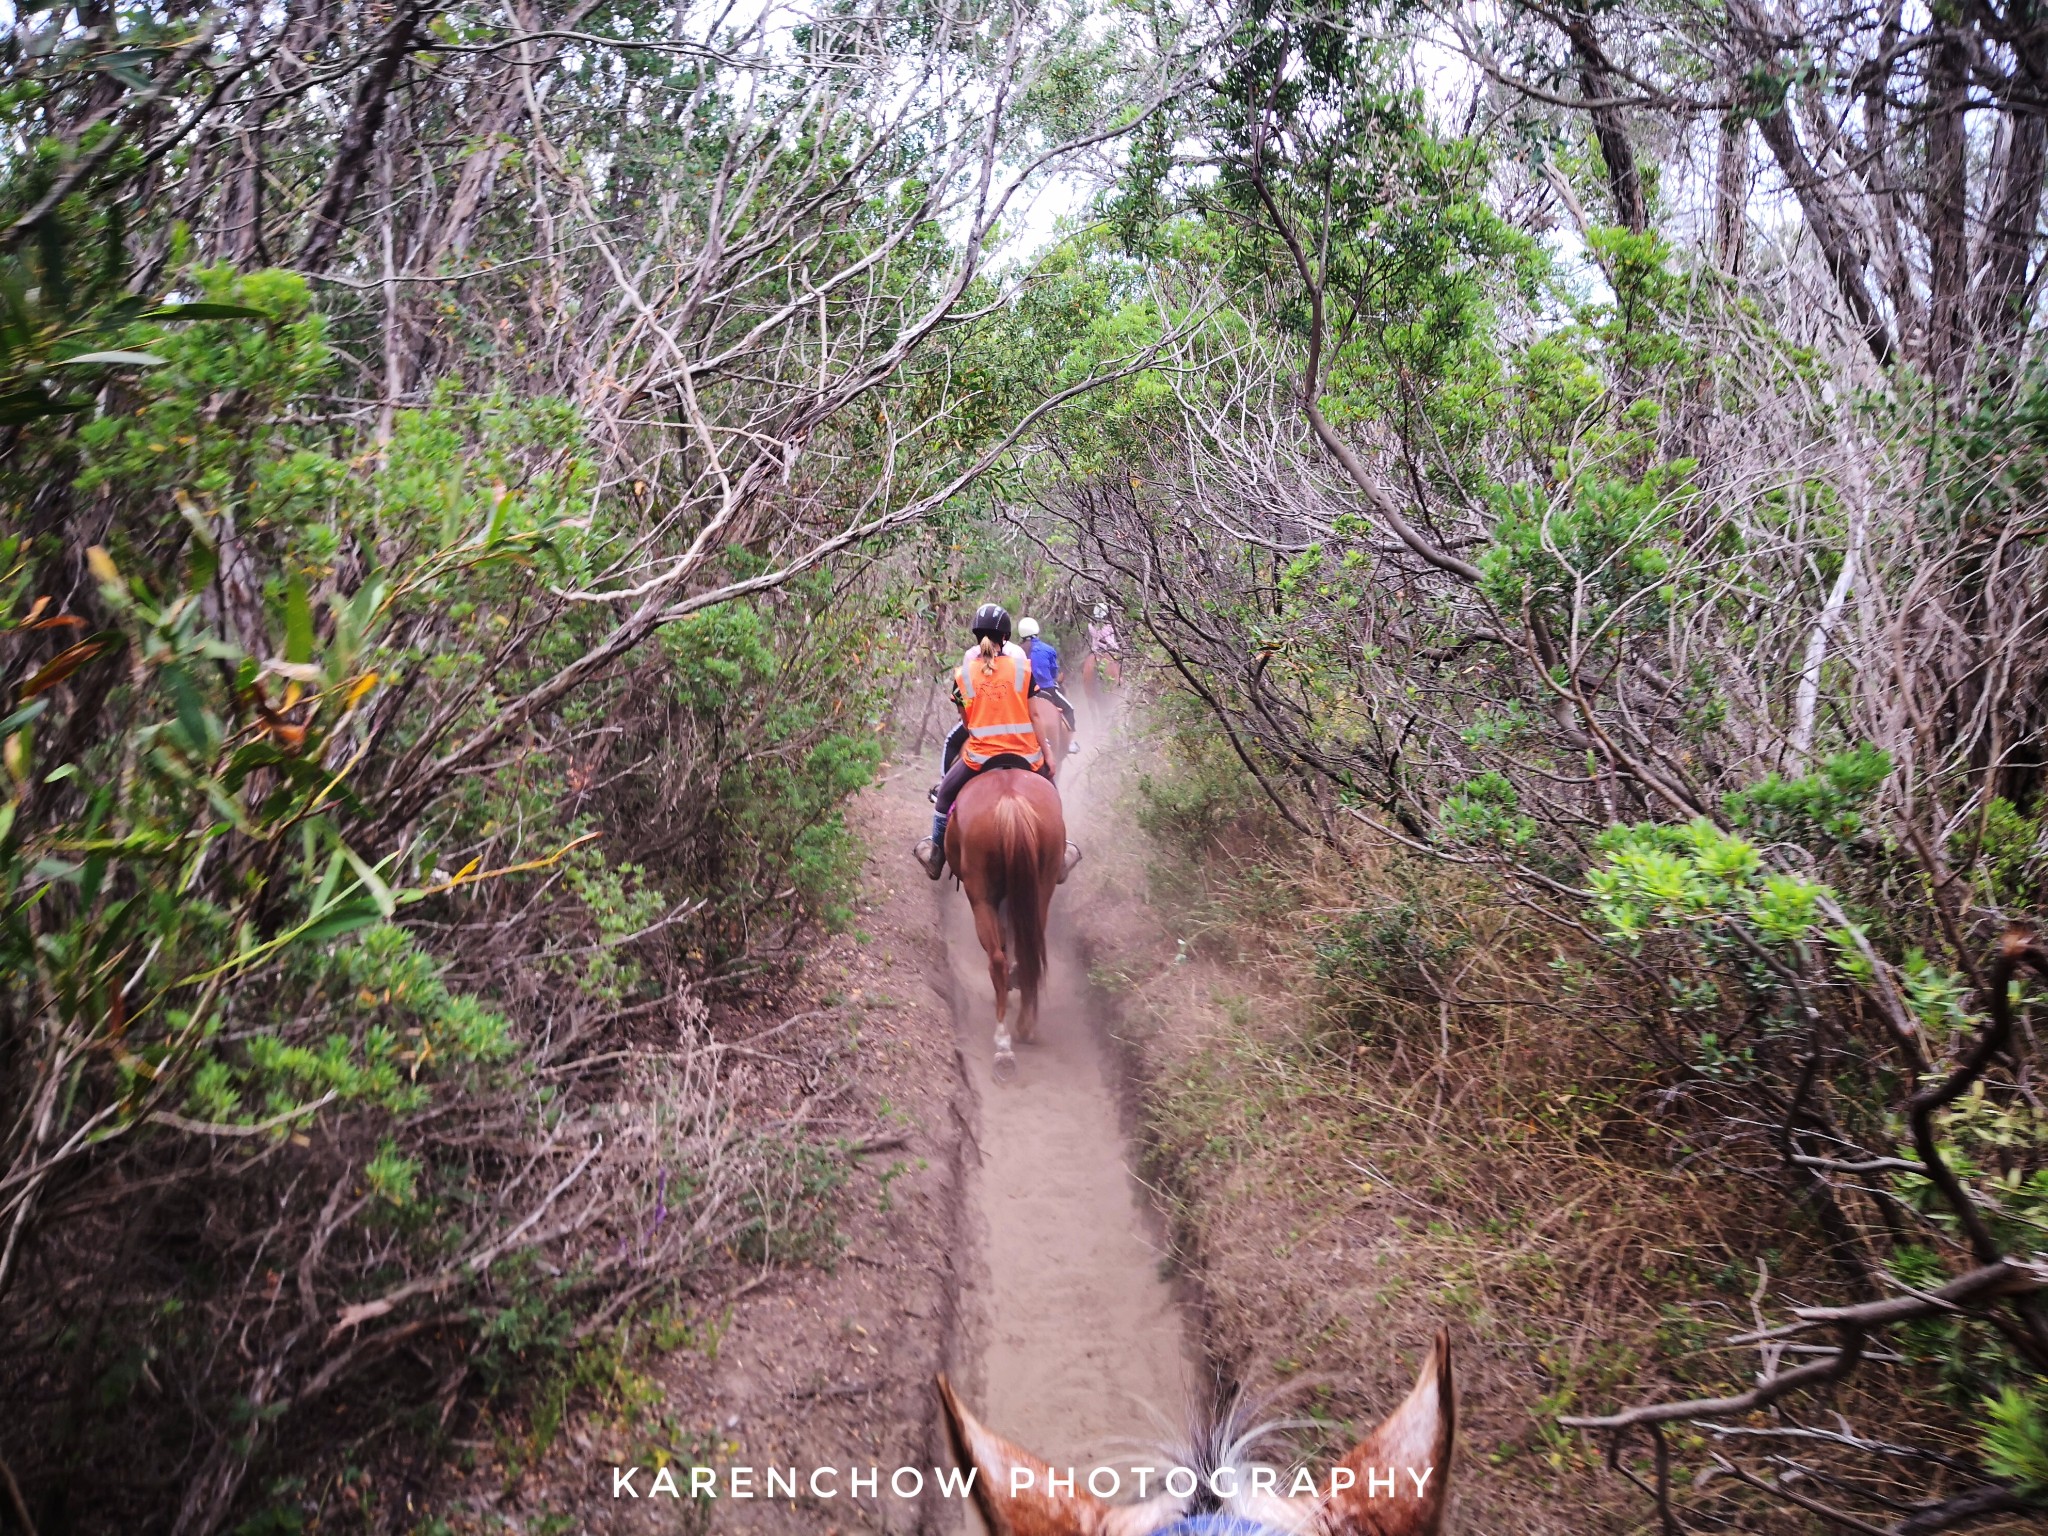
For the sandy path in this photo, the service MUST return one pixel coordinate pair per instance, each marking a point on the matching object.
(1081, 1346)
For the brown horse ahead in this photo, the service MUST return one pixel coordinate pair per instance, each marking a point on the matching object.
(1053, 735)
(1006, 842)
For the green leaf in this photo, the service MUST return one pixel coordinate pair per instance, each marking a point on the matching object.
(192, 722)
(350, 915)
(329, 880)
(128, 75)
(22, 716)
(372, 881)
(298, 621)
(205, 564)
(117, 358)
(2016, 1438)
(31, 404)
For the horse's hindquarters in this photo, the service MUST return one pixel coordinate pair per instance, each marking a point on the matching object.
(1011, 839)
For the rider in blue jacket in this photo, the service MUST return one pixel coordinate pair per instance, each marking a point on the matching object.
(1045, 672)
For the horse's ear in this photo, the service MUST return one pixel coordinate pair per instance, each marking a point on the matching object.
(1033, 1509)
(1413, 1445)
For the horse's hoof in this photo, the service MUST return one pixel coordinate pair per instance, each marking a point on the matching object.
(1005, 1067)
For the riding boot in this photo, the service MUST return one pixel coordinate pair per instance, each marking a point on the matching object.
(931, 851)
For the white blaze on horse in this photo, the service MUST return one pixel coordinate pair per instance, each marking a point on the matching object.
(1392, 1483)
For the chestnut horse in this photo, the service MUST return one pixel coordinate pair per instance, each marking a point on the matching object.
(1392, 1483)
(1100, 671)
(1006, 842)
(1053, 734)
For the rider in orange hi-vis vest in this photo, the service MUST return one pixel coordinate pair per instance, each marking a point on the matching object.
(994, 694)
(992, 689)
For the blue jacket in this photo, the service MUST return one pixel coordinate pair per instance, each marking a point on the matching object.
(1045, 664)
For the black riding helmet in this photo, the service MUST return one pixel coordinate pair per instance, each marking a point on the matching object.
(994, 620)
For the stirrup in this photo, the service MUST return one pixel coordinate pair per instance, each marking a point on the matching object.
(1073, 857)
(931, 856)
(932, 794)
(1073, 747)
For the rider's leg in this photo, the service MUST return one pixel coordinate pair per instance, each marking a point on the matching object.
(1061, 703)
(932, 851)
(949, 790)
(954, 743)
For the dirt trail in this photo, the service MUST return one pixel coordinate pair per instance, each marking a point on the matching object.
(994, 1232)
(1082, 1352)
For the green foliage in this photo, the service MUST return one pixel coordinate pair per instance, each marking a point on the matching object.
(2015, 1440)
(1605, 553)
(1936, 996)
(2012, 853)
(1654, 876)
(791, 1211)
(1818, 808)
(392, 1176)
(208, 928)
(225, 750)
(1485, 813)
(622, 901)
(61, 338)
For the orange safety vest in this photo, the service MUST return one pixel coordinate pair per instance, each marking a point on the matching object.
(995, 695)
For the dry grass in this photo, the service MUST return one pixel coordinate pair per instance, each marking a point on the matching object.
(1376, 1099)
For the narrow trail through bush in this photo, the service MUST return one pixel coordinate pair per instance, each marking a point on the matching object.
(1082, 1351)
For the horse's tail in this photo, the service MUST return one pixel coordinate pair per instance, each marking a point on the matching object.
(1020, 856)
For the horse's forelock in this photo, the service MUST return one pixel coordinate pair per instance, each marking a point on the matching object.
(1227, 1433)
(1223, 1436)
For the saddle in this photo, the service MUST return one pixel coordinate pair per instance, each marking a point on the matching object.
(1000, 760)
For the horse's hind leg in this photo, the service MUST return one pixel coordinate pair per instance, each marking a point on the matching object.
(988, 927)
(1027, 1010)
(1009, 934)
(1027, 1002)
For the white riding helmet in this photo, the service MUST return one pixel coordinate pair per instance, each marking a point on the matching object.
(1101, 612)
(1026, 628)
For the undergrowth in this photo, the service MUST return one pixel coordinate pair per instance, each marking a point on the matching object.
(1379, 1098)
